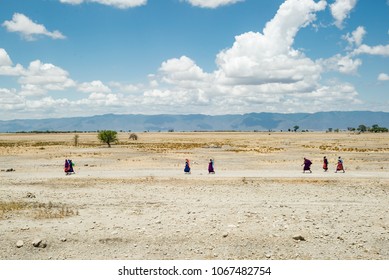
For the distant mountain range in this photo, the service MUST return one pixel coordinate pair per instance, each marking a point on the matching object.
(247, 122)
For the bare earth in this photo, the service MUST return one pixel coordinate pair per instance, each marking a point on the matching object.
(133, 201)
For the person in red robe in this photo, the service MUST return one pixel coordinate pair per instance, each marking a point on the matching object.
(339, 166)
(325, 164)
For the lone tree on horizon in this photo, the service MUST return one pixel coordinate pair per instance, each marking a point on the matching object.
(362, 128)
(108, 137)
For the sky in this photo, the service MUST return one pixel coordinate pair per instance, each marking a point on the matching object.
(67, 58)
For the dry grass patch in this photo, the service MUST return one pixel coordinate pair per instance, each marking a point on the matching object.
(260, 150)
(6, 207)
(165, 147)
(336, 148)
(36, 210)
(52, 211)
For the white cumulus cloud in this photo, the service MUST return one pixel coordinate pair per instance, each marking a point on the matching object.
(5, 60)
(10, 100)
(356, 37)
(42, 77)
(212, 3)
(342, 64)
(29, 29)
(182, 71)
(341, 9)
(382, 50)
(126, 88)
(6, 65)
(257, 58)
(121, 4)
(94, 86)
(383, 77)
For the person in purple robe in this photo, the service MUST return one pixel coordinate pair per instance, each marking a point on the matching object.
(69, 167)
(187, 167)
(307, 165)
(211, 169)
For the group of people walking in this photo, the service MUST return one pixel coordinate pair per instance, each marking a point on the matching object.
(211, 168)
(68, 168)
(307, 165)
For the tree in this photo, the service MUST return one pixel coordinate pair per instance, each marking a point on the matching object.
(75, 139)
(376, 128)
(362, 128)
(295, 128)
(108, 137)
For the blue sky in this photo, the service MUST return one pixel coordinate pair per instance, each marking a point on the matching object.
(62, 58)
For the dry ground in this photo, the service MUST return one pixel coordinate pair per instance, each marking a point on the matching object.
(132, 201)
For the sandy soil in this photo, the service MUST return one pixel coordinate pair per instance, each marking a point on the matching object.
(133, 201)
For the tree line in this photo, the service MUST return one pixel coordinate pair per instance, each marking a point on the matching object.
(374, 128)
(363, 128)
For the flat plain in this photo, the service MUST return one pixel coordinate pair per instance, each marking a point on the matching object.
(133, 200)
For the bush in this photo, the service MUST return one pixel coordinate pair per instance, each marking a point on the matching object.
(133, 136)
(108, 137)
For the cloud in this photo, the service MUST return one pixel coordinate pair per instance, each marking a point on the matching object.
(212, 3)
(383, 77)
(42, 77)
(5, 60)
(341, 9)
(126, 88)
(257, 58)
(94, 86)
(355, 40)
(6, 68)
(382, 50)
(29, 29)
(48, 106)
(10, 100)
(72, 2)
(181, 97)
(182, 71)
(356, 37)
(121, 4)
(341, 64)
(102, 99)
